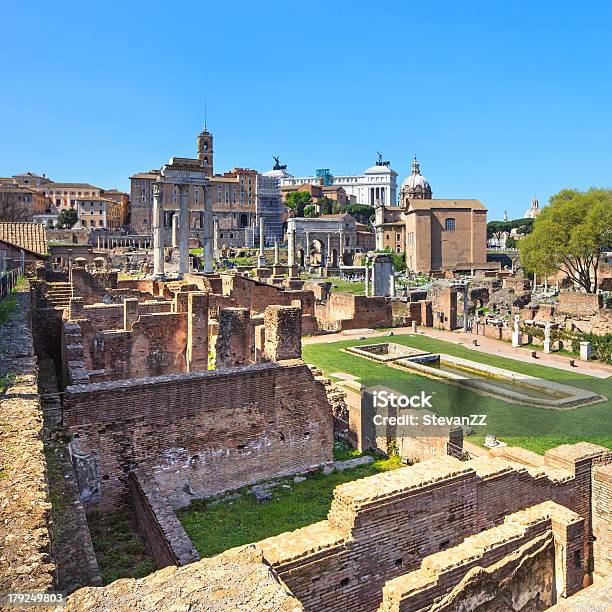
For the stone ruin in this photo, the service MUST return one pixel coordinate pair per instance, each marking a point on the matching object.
(175, 391)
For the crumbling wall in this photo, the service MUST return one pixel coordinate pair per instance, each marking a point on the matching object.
(25, 545)
(235, 345)
(200, 434)
(93, 287)
(579, 305)
(526, 563)
(382, 526)
(349, 311)
(166, 539)
(283, 333)
(602, 518)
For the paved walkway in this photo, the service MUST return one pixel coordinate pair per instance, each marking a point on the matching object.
(485, 345)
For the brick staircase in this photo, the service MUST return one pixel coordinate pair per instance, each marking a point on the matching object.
(59, 294)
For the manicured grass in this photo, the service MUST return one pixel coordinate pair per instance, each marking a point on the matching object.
(119, 548)
(216, 527)
(536, 429)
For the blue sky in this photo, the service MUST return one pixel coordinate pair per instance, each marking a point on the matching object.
(499, 100)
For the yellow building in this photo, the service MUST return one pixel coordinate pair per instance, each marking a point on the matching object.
(95, 212)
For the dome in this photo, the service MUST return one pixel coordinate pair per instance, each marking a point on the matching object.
(416, 185)
(534, 210)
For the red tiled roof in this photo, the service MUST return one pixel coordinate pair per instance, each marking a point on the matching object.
(28, 236)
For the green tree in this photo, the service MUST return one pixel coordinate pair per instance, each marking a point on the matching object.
(67, 218)
(310, 211)
(510, 243)
(569, 235)
(495, 229)
(297, 201)
(326, 205)
(362, 213)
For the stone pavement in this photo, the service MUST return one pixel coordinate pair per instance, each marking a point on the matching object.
(485, 345)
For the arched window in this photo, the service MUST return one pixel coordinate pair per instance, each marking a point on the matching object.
(449, 224)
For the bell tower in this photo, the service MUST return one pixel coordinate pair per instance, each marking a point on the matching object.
(205, 151)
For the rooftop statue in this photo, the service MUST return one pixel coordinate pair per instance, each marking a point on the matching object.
(277, 164)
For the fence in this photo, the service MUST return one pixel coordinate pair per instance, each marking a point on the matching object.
(8, 280)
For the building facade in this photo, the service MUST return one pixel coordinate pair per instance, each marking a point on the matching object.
(377, 183)
(97, 212)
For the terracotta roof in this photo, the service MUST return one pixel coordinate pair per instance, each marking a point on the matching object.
(416, 204)
(145, 175)
(70, 186)
(28, 236)
(93, 199)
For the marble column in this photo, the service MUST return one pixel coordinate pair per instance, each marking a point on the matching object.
(216, 252)
(330, 260)
(341, 253)
(158, 231)
(307, 250)
(184, 229)
(261, 260)
(276, 253)
(208, 233)
(291, 248)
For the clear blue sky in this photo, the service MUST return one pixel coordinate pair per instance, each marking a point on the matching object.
(500, 100)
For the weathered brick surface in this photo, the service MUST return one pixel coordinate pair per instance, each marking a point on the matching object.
(237, 579)
(202, 433)
(349, 311)
(283, 333)
(602, 518)
(235, 344)
(382, 526)
(162, 531)
(579, 305)
(504, 567)
(25, 546)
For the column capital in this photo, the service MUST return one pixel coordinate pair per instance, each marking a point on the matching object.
(183, 188)
(157, 188)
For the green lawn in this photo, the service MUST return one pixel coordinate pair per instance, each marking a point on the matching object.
(344, 286)
(536, 429)
(214, 528)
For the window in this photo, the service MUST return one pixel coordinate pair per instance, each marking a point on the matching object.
(398, 237)
(449, 224)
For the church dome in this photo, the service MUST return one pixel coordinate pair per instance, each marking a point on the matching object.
(534, 210)
(415, 185)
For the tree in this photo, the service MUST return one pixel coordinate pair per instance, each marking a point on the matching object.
(12, 209)
(297, 201)
(510, 243)
(496, 229)
(362, 213)
(569, 235)
(310, 211)
(326, 205)
(67, 218)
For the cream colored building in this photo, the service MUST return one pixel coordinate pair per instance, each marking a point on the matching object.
(96, 212)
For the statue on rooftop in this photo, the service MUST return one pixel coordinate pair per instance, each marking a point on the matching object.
(277, 164)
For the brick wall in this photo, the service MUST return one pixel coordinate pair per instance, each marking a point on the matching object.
(602, 518)
(579, 305)
(518, 565)
(348, 311)
(165, 537)
(382, 526)
(283, 333)
(202, 433)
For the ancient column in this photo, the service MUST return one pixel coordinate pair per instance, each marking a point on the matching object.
(184, 229)
(261, 260)
(208, 234)
(341, 254)
(330, 260)
(158, 231)
(547, 342)
(307, 250)
(276, 253)
(216, 253)
(291, 247)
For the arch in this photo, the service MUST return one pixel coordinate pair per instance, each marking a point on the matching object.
(317, 252)
(300, 256)
(244, 220)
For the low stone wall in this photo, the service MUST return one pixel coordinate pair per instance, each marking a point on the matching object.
(348, 311)
(162, 531)
(579, 305)
(25, 546)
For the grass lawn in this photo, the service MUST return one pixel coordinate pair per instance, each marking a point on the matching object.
(536, 429)
(217, 527)
(344, 286)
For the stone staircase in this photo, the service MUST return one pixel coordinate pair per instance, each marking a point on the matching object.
(59, 294)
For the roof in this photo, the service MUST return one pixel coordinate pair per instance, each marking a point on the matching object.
(335, 216)
(146, 175)
(28, 236)
(70, 186)
(95, 199)
(416, 204)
